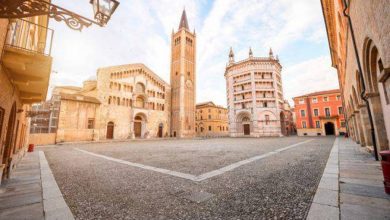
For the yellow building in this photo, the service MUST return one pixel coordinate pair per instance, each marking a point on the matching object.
(211, 120)
(24, 76)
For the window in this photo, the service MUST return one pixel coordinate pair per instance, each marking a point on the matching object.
(327, 112)
(338, 97)
(91, 123)
(209, 116)
(301, 101)
(342, 124)
(209, 128)
(315, 100)
(315, 112)
(318, 124)
(325, 98)
(303, 124)
(265, 104)
(303, 113)
(340, 110)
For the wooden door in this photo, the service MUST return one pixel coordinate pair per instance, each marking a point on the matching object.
(110, 130)
(247, 130)
(137, 129)
(160, 131)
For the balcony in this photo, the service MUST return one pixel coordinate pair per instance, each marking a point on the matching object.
(27, 60)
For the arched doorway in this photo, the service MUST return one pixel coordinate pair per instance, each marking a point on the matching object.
(373, 68)
(246, 125)
(160, 130)
(140, 126)
(9, 140)
(329, 128)
(110, 130)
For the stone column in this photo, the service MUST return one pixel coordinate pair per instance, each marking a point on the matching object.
(365, 123)
(379, 124)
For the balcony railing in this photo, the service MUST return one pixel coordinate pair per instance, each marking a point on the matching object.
(28, 36)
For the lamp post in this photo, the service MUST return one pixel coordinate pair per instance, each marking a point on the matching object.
(103, 10)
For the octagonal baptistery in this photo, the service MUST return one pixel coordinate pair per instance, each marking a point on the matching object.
(254, 96)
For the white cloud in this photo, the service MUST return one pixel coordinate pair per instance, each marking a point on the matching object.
(309, 76)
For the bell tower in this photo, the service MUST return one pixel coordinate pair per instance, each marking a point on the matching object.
(183, 80)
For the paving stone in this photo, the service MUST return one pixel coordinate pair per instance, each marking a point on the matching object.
(364, 190)
(326, 197)
(20, 200)
(362, 212)
(322, 212)
(346, 198)
(25, 212)
(368, 182)
(331, 183)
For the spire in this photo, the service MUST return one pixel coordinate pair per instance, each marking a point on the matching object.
(250, 52)
(231, 55)
(271, 54)
(183, 21)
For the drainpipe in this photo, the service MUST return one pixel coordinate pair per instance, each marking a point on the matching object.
(362, 80)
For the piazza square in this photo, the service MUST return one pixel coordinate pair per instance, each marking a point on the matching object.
(113, 109)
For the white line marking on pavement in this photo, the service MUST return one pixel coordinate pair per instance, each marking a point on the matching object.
(202, 176)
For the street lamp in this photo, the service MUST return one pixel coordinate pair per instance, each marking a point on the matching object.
(103, 9)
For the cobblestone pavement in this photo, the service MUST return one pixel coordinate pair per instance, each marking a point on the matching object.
(279, 186)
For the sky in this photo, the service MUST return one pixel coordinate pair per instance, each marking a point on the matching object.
(140, 32)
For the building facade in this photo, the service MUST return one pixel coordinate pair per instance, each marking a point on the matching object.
(183, 80)
(359, 47)
(211, 120)
(287, 121)
(320, 113)
(135, 102)
(24, 76)
(254, 96)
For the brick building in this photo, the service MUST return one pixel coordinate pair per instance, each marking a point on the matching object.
(211, 120)
(24, 76)
(320, 113)
(359, 46)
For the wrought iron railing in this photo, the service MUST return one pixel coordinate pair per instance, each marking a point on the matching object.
(26, 35)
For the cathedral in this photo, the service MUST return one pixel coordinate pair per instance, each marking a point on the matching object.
(131, 101)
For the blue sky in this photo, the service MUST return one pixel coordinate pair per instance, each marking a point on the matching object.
(140, 30)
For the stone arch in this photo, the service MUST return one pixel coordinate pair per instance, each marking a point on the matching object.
(140, 102)
(244, 123)
(139, 125)
(139, 87)
(372, 69)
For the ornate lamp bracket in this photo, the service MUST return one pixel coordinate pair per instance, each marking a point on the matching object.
(29, 8)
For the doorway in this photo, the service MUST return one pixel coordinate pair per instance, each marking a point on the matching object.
(110, 130)
(329, 128)
(247, 129)
(160, 130)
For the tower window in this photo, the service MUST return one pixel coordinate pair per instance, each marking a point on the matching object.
(176, 73)
(188, 73)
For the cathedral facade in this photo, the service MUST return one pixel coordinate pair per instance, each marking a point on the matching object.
(131, 101)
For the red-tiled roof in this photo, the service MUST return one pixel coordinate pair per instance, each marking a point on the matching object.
(320, 93)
